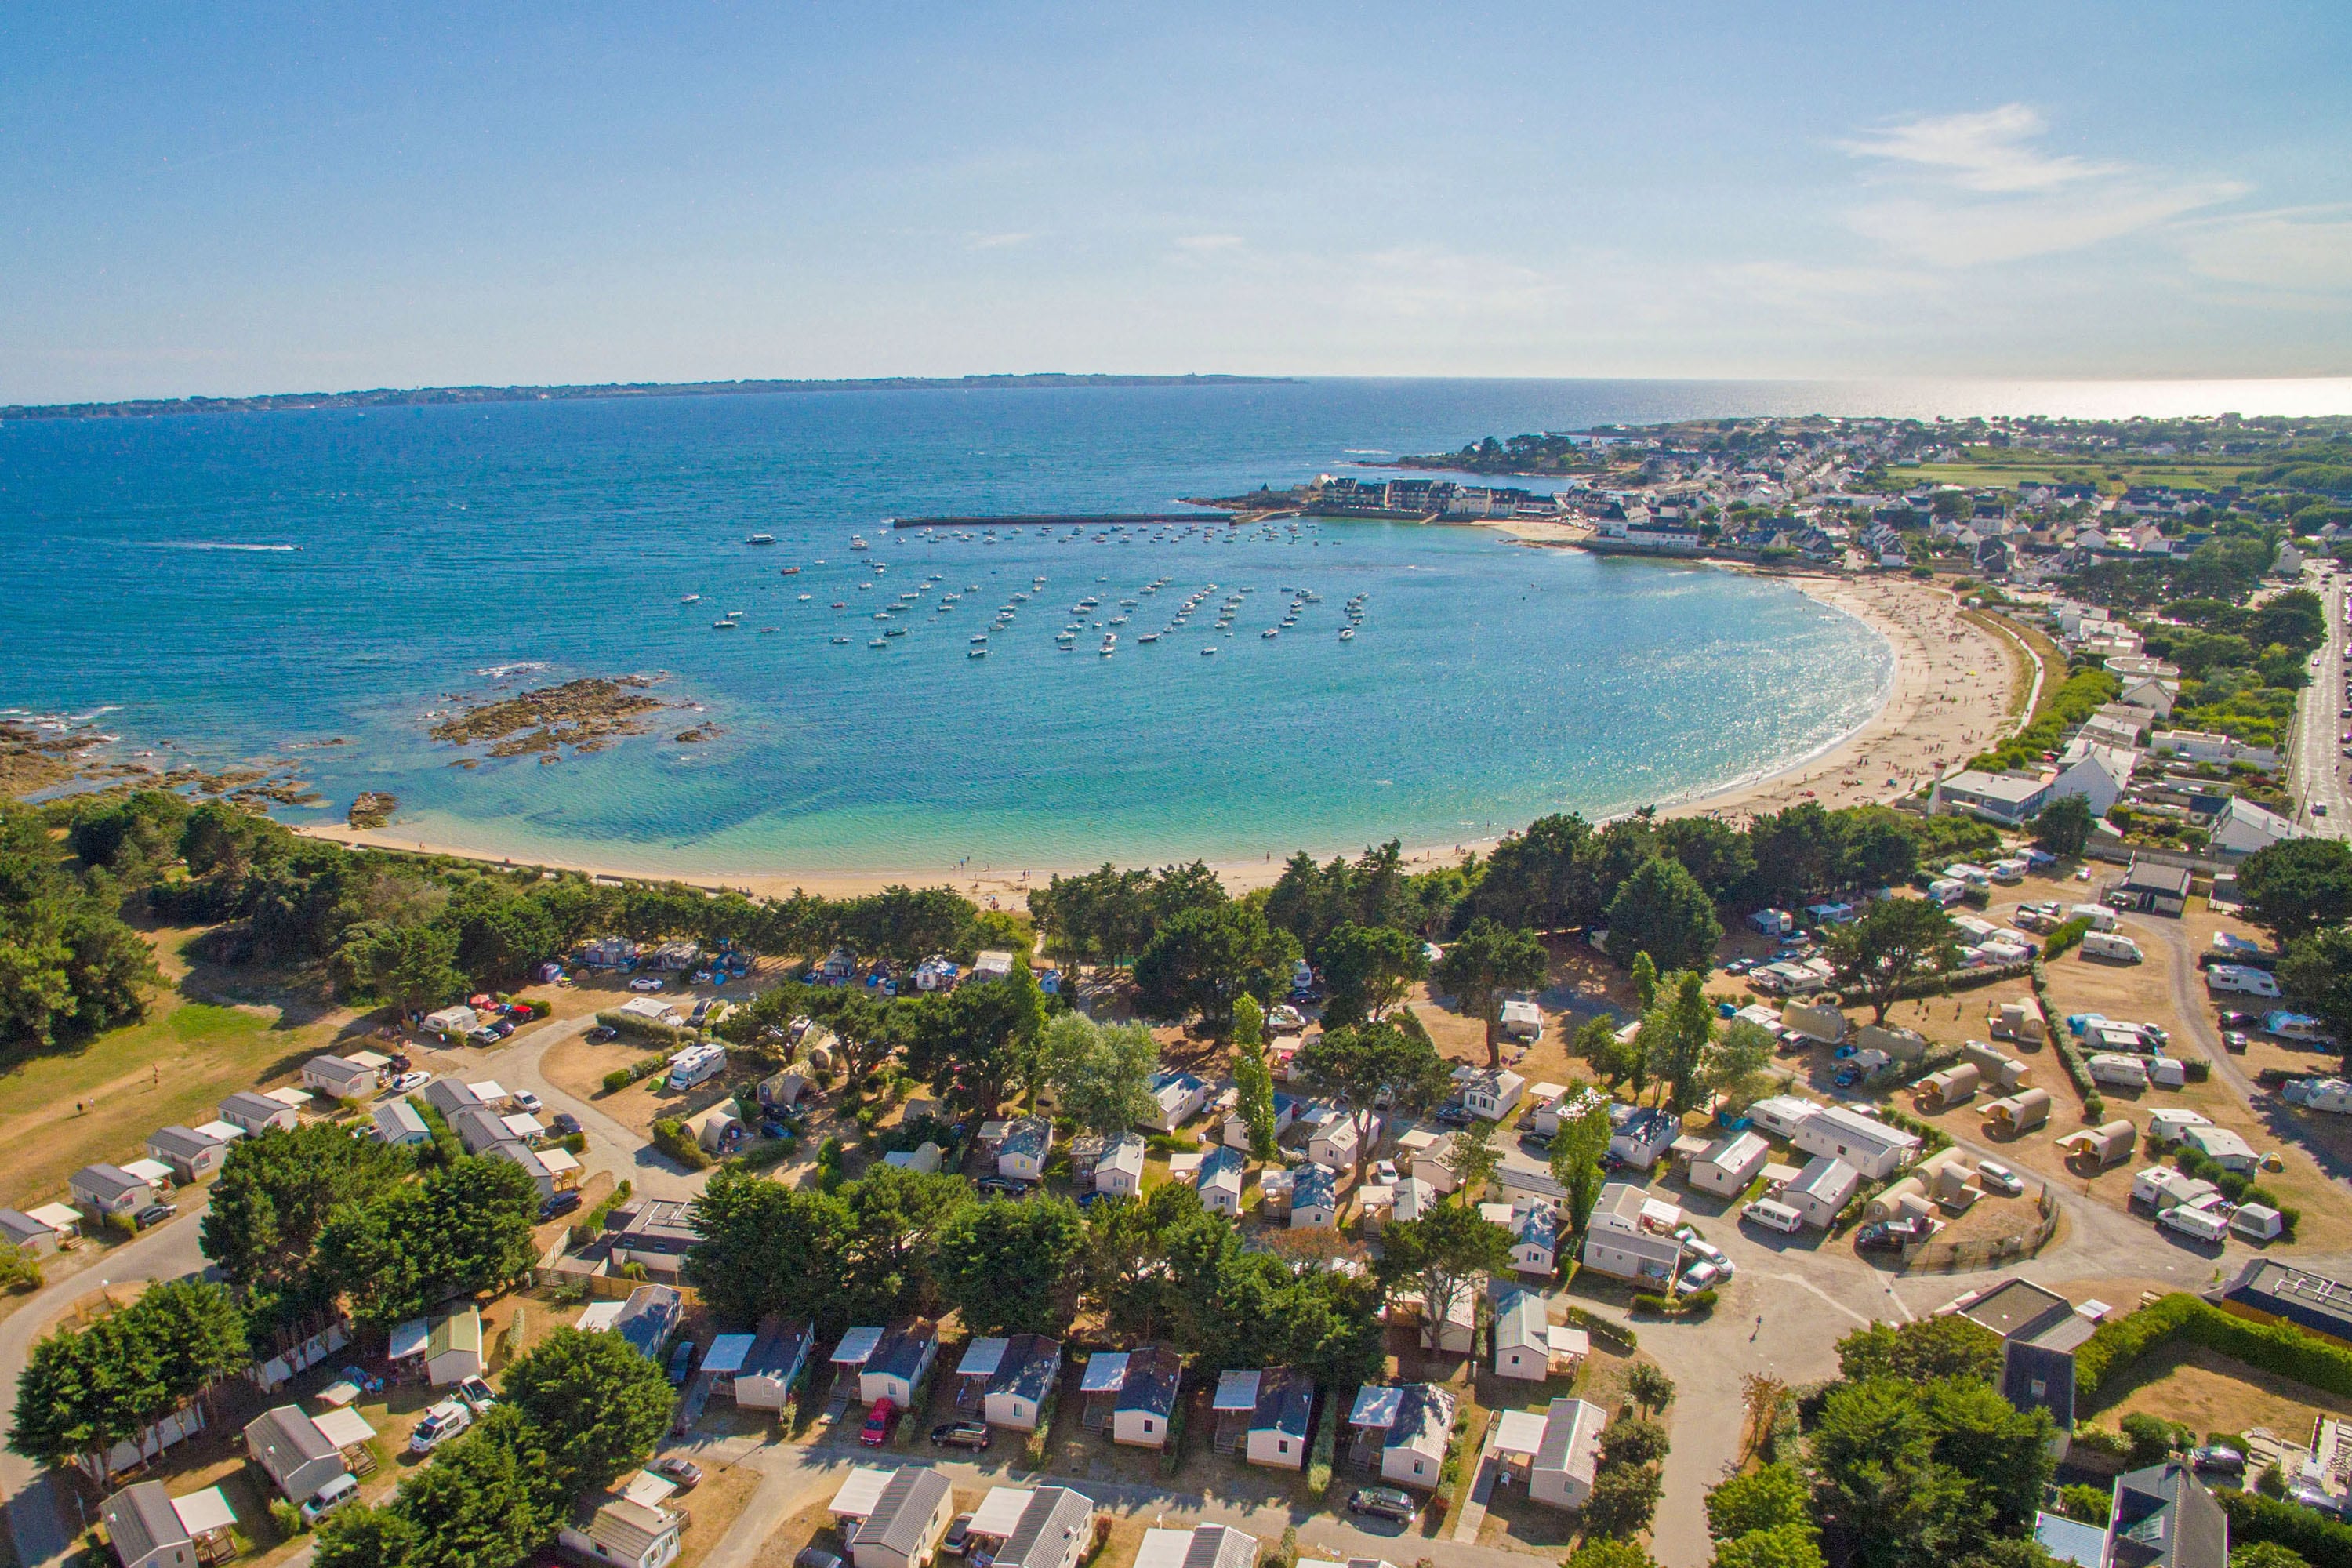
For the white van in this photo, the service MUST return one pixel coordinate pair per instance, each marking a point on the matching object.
(343, 1489)
(2107, 944)
(2203, 1224)
(1774, 1216)
(2101, 917)
(1947, 891)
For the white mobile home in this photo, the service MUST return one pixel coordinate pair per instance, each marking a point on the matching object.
(1873, 1148)
(1729, 1164)
(1821, 1190)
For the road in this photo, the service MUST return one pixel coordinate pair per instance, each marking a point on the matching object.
(2316, 768)
(611, 1146)
(167, 1252)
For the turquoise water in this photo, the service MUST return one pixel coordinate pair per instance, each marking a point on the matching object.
(1489, 682)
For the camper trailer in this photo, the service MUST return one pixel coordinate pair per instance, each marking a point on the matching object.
(2021, 1112)
(2109, 945)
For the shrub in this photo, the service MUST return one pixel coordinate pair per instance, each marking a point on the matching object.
(287, 1517)
(1610, 1555)
(2089, 1504)
(617, 1079)
(2152, 1437)
(2310, 1534)
(671, 1137)
(2067, 936)
(575, 1143)
(1325, 1449)
(1624, 1498)
(1633, 1442)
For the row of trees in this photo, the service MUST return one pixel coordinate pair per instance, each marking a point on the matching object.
(304, 1219)
(2300, 891)
(576, 1411)
(896, 1241)
(84, 1392)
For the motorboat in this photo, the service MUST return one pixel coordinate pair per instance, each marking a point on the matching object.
(791, 572)
(760, 539)
(691, 599)
(1347, 634)
(977, 653)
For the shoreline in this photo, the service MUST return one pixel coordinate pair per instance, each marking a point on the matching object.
(1946, 698)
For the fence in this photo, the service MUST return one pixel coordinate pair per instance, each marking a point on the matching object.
(1951, 1257)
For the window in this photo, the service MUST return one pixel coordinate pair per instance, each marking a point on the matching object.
(1282, 1445)
(1147, 1423)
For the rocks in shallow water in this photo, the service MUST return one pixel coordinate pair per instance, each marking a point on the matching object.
(585, 715)
(374, 809)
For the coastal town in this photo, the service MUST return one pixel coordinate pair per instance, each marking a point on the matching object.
(1935, 1152)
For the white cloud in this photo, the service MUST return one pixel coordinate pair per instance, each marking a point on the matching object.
(1987, 152)
(2299, 250)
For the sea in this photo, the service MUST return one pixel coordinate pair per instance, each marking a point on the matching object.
(229, 588)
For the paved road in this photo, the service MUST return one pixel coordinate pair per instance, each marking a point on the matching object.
(611, 1145)
(2315, 765)
(167, 1252)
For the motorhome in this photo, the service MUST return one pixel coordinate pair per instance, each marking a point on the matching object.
(2108, 944)
(696, 1063)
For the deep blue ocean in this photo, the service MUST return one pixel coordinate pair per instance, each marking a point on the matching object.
(1489, 682)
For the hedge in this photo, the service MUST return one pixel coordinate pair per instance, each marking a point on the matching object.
(2281, 1349)
(631, 1023)
(2065, 937)
(2077, 1070)
(1327, 1446)
(672, 1139)
(2309, 1533)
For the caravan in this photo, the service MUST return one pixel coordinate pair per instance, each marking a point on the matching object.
(696, 1064)
(2107, 944)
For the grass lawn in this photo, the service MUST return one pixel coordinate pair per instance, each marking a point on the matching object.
(2212, 1392)
(1986, 468)
(99, 1101)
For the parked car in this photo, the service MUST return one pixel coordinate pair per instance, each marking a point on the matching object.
(2218, 1459)
(475, 1393)
(973, 1435)
(679, 1468)
(1892, 1235)
(566, 1124)
(2236, 1041)
(398, 1062)
(645, 982)
(602, 1033)
(2236, 1020)
(816, 1557)
(1699, 1276)
(1454, 1114)
(1384, 1171)
(559, 1203)
(1383, 1502)
(343, 1489)
(1001, 1186)
(409, 1083)
(1739, 966)
(880, 1417)
(1536, 1143)
(525, 1100)
(2000, 1177)
(958, 1539)
(681, 1362)
(441, 1422)
(156, 1214)
(1707, 1252)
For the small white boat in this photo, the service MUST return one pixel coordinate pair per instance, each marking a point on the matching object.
(1347, 634)
(1208, 653)
(691, 599)
(760, 539)
(1271, 632)
(726, 626)
(805, 597)
(1148, 637)
(839, 642)
(981, 638)
(877, 642)
(857, 541)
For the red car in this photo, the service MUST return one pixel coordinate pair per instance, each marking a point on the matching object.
(879, 1418)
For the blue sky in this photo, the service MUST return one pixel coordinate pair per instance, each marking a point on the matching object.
(232, 200)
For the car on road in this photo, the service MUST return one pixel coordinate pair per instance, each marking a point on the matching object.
(600, 1033)
(880, 1416)
(156, 1214)
(475, 1393)
(2000, 1177)
(441, 1422)
(1699, 1276)
(679, 1468)
(525, 1100)
(566, 1124)
(409, 1083)
(645, 982)
(681, 1362)
(2217, 1459)
(1383, 1502)
(2235, 1041)
(973, 1435)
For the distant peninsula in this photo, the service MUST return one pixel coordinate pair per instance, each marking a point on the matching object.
(419, 396)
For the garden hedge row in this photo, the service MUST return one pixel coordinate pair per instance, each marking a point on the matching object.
(2280, 1348)
(2309, 1533)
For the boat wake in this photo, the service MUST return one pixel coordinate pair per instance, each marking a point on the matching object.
(216, 544)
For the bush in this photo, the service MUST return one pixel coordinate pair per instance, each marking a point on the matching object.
(2152, 1437)
(2065, 937)
(2310, 1534)
(618, 1079)
(671, 1137)
(575, 1143)
(2089, 1504)
(287, 1517)
(2280, 1348)
(1327, 1447)
(1624, 1498)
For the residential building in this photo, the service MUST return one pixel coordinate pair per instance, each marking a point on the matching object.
(399, 1123)
(1022, 1381)
(145, 1530)
(448, 1096)
(1618, 1243)
(2151, 888)
(1220, 1181)
(1570, 1455)
(257, 1113)
(1028, 1143)
(1336, 1142)
(1202, 1546)
(773, 1365)
(907, 1522)
(192, 1155)
(1410, 1424)
(1729, 1164)
(339, 1078)
(2099, 774)
(1780, 1114)
(1283, 1405)
(31, 1236)
(1528, 1344)
(625, 1530)
(2267, 1291)
(1871, 1147)
(1119, 1171)
(897, 1363)
(1146, 1397)
(2005, 798)
(2241, 827)
(1643, 1136)
(293, 1453)
(1314, 1197)
(1176, 1098)
(102, 1189)
(2162, 1517)
(1055, 1528)
(1492, 1093)
(1821, 1190)
(648, 1318)
(1535, 1239)
(453, 1348)
(655, 1232)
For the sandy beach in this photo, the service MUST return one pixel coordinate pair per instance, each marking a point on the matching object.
(1949, 695)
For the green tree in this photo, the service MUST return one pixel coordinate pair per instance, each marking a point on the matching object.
(598, 1404)
(1662, 911)
(361, 1537)
(2265, 1554)
(1921, 1351)
(1614, 1061)
(82, 1392)
(1254, 1079)
(1201, 959)
(1623, 1501)
(1369, 1063)
(465, 1228)
(1440, 1255)
(486, 1500)
(1473, 1160)
(1484, 965)
(1013, 1267)
(1736, 1066)
(1606, 1553)
(896, 1218)
(1644, 974)
(2316, 976)
(907, 926)
(1101, 1074)
(2063, 827)
(2297, 887)
(980, 1044)
(1637, 1441)
(1366, 970)
(1647, 1385)
(768, 1248)
(413, 967)
(1893, 944)
(1782, 1546)
(1762, 1498)
(1675, 1035)
(1577, 1154)
(275, 1193)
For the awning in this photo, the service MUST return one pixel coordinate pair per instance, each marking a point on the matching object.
(153, 1172)
(1521, 1432)
(729, 1352)
(554, 1161)
(335, 1395)
(1106, 1373)
(649, 1490)
(523, 1125)
(860, 1492)
(408, 1339)
(222, 1132)
(600, 1316)
(1565, 1342)
(855, 1346)
(981, 1357)
(204, 1512)
(1236, 1390)
(489, 1091)
(57, 1218)
(344, 1429)
(999, 1514)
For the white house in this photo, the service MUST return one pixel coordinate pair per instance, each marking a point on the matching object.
(1147, 1398)
(297, 1457)
(1176, 1097)
(1021, 1381)
(1780, 1114)
(101, 1189)
(453, 1348)
(146, 1531)
(2221, 1146)
(256, 1114)
(1617, 1243)
(2099, 773)
(1119, 1171)
(1492, 1094)
(1050, 1527)
(1028, 1144)
(1202, 1546)
(907, 1521)
(1535, 1239)
(1873, 1148)
(2241, 827)
(192, 1155)
(1821, 1190)
(1570, 1455)
(1729, 1164)
(399, 1123)
(773, 1365)
(1412, 1424)
(1523, 1020)
(1314, 1197)
(1220, 1181)
(897, 1363)
(1528, 1344)
(1427, 1156)
(1278, 1436)
(1643, 1136)
(1336, 1142)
